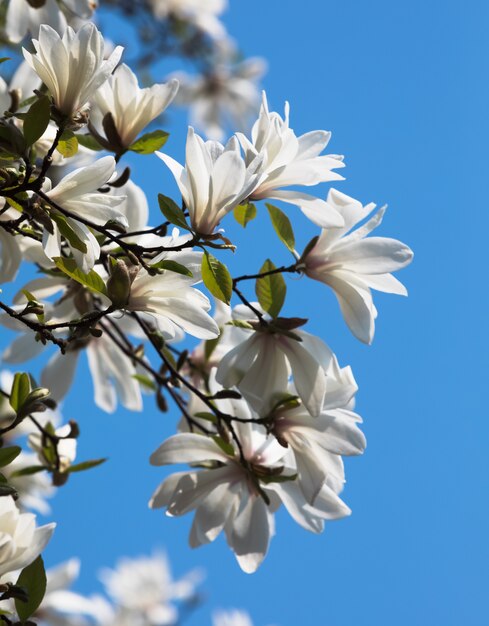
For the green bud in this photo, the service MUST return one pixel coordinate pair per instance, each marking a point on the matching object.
(119, 283)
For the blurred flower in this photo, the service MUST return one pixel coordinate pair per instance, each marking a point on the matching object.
(143, 587)
(201, 13)
(33, 489)
(231, 618)
(225, 96)
(352, 264)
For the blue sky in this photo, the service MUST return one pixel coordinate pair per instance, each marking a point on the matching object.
(404, 89)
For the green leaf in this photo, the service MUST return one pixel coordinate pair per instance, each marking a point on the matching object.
(68, 233)
(86, 465)
(217, 278)
(87, 141)
(3, 59)
(7, 455)
(91, 280)
(226, 447)
(67, 144)
(172, 266)
(145, 381)
(150, 142)
(21, 388)
(37, 120)
(172, 211)
(244, 213)
(8, 490)
(209, 347)
(278, 478)
(205, 415)
(282, 226)
(28, 471)
(33, 579)
(240, 324)
(270, 290)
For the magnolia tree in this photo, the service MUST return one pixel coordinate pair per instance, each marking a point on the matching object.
(267, 411)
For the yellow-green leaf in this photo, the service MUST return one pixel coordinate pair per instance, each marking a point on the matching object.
(150, 142)
(270, 290)
(67, 144)
(92, 280)
(217, 278)
(282, 226)
(244, 213)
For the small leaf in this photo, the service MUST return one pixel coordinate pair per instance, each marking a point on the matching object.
(67, 144)
(244, 213)
(172, 266)
(28, 471)
(240, 324)
(150, 142)
(205, 415)
(172, 211)
(86, 465)
(21, 388)
(282, 226)
(226, 447)
(91, 280)
(8, 490)
(88, 141)
(7, 455)
(270, 290)
(37, 120)
(145, 381)
(217, 278)
(3, 59)
(68, 233)
(278, 478)
(33, 579)
(209, 347)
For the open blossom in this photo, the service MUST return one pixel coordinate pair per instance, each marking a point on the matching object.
(21, 540)
(260, 364)
(286, 160)
(213, 182)
(144, 588)
(352, 264)
(225, 96)
(132, 108)
(77, 193)
(72, 66)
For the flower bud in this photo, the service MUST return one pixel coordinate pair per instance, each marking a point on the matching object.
(119, 284)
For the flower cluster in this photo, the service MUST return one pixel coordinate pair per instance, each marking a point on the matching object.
(267, 411)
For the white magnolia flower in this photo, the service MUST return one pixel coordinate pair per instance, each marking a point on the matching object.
(132, 108)
(20, 540)
(144, 587)
(318, 443)
(239, 499)
(201, 13)
(77, 193)
(72, 66)
(224, 498)
(213, 181)
(225, 97)
(231, 618)
(174, 303)
(260, 364)
(290, 160)
(352, 264)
